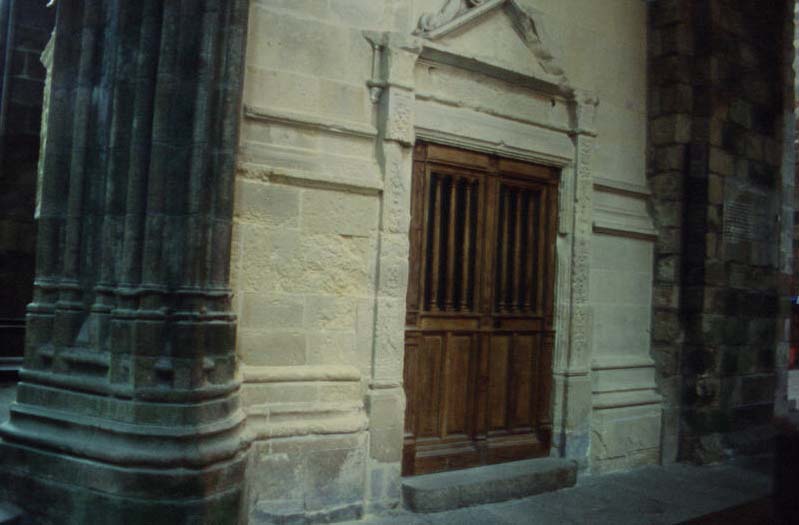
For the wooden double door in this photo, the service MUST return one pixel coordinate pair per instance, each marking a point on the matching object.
(479, 337)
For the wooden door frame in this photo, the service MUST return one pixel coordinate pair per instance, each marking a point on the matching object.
(526, 320)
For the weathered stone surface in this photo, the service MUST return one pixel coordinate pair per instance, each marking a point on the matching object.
(273, 205)
(339, 213)
(131, 340)
(452, 490)
(386, 416)
(272, 347)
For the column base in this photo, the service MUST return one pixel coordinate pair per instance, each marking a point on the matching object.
(68, 490)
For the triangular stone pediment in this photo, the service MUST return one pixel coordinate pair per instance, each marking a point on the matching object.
(504, 33)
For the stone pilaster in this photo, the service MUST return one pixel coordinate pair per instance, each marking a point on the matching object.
(128, 408)
(571, 371)
(386, 396)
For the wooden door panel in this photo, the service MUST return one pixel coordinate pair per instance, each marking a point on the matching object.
(522, 383)
(428, 384)
(498, 376)
(479, 310)
(457, 384)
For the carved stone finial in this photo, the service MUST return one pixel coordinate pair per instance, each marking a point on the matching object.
(450, 10)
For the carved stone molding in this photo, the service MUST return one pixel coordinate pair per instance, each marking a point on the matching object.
(455, 14)
(451, 10)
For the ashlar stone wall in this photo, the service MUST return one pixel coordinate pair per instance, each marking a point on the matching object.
(721, 132)
(335, 94)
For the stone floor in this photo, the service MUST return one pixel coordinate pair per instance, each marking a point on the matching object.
(650, 495)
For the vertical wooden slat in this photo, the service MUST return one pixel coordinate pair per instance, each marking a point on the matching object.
(541, 261)
(435, 266)
(517, 254)
(531, 253)
(502, 286)
(465, 303)
(550, 230)
(452, 244)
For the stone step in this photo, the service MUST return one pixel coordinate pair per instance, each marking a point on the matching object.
(490, 484)
(10, 514)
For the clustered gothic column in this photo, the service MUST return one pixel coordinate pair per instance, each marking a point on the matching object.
(128, 407)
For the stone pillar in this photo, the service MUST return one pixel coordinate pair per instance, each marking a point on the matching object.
(718, 137)
(128, 407)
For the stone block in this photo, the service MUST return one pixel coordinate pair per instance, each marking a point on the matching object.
(358, 14)
(669, 241)
(671, 129)
(308, 479)
(667, 269)
(741, 113)
(389, 338)
(341, 391)
(666, 13)
(263, 311)
(330, 313)
(721, 162)
(301, 45)
(676, 98)
(345, 101)
(393, 277)
(322, 264)
(275, 476)
(267, 88)
(270, 393)
(271, 348)
(333, 478)
(668, 186)
(715, 189)
(666, 296)
(386, 425)
(453, 490)
(364, 333)
(384, 484)
(623, 431)
(312, 8)
(256, 270)
(330, 348)
(667, 214)
(671, 157)
(665, 327)
(269, 204)
(397, 191)
(666, 357)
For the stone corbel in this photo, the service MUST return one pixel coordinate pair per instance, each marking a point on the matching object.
(376, 84)
(392, 84)
(584, 113)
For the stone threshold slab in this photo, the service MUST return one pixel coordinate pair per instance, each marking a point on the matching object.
(490, 484)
